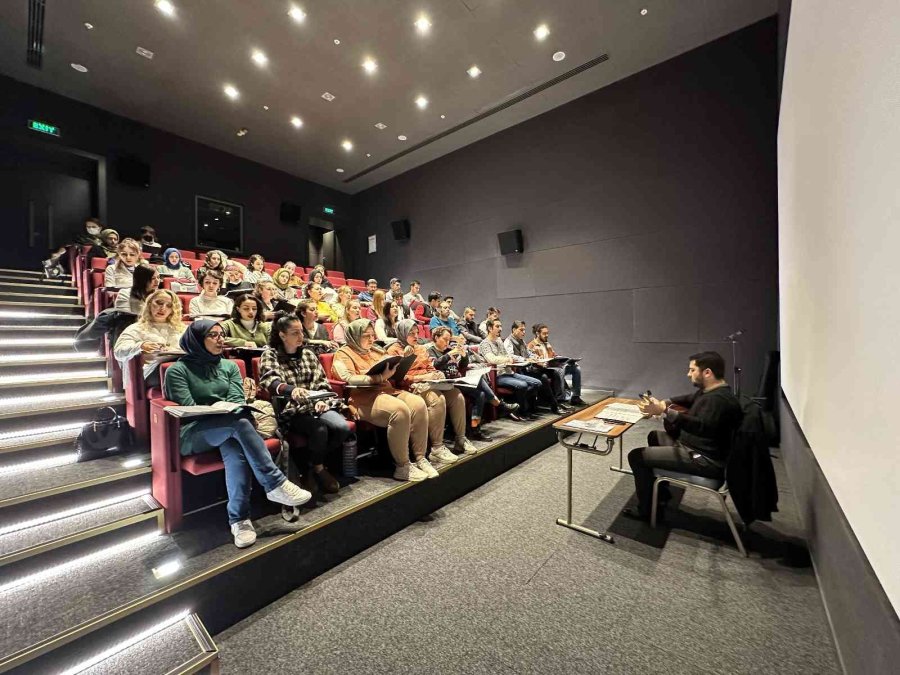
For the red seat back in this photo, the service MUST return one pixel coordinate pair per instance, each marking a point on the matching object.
(98, 263)
(330, 328)
(186, 301)
(327, 360)
(188, 255)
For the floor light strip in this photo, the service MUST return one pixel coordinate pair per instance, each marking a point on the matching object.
(38, 464)
(74, 511)
(42, 431)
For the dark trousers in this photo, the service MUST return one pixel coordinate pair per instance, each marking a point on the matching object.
(524, 388)
(664, 452)
(479, 396)
(323, 432)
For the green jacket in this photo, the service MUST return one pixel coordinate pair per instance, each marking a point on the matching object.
(237, 335)
(189, 383)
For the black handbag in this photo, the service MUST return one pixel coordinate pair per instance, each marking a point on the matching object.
(108, 435)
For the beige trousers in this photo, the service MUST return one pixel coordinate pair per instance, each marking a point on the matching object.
(406, 419)
(439, 403)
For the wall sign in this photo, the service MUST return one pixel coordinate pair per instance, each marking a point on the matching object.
(43, 127)
(372, 244)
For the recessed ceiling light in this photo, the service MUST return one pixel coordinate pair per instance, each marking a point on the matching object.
(559, 56)
(443, 116)
(89, 26)
(328, 97)
(644, 12)
(370, 66)
(297, 14)
(80, 68)
(242, 131)
(297, 122)
(474, 71)
(347, 145)
(339, 170)
(423, 25)
(336, 41)
(259, 58)
(231, 92)
(380, 125)
(265, 107)
(422, 102)
(146, 53)
(541, 32)
(368, 154)
(165, 7)
(401, 137)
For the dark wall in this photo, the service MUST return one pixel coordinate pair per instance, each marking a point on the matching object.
(648, 210)
(180, 169)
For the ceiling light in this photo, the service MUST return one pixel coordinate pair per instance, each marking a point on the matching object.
(259, 58)
(165, 7)
(443, 116)
(297, 14)
(336, 41)
(380, 125)
(423, 25)
(368, 154)
(644, 12)
(474, 71)
(422, 102)
(89, 26)
(401, 137)
(347, 145)
(541, 32)
(559, 56)
(370, 66)
(231, 92)
(265, 107)
(339, 170)
(297, 122)
(242, 131)
(146, 53)
(328, 97)
(80, 68)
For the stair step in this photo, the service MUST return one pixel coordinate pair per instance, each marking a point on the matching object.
(31, 274)
(44, 404)
(38, 331)
(58, 380)
(25, 287)
(23, 317)
(29, 437)
(39, 295)
(42, 307)
(88, 359)
(45, 344)
(56, 528)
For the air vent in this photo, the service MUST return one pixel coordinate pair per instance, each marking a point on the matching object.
(484, 115)
(34, 57)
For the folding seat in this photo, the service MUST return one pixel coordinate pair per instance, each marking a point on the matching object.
(145, 255)
(271, 267)
(188, 255)
(330, 328)
(336, 281)
(243, 261)
(194, 264)
(186, 302)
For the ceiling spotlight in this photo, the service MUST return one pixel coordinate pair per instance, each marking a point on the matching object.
(443, 117)
(380, 125)
(474, 72)
(559, 56)
(231, 92)
(339, 170)
(265, 107)
(146, 53)
(328, 97)
(644, 12)
(401, 137)
(422, 102)
(368, 154)
(242, 131)
(165, 7)
(370, 66)
(423, 25)
(89, 26)
(347, 145)
(336, 41)
(259, 58)
(541, 32)
(297, 14)
(297, 122)
(80, 68)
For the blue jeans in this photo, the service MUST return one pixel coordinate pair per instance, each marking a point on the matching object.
(323, 433)
(243, 452)
(575, 371)
(479, 396)
(524, 388)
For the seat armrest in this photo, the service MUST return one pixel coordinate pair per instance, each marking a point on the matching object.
(165, 438)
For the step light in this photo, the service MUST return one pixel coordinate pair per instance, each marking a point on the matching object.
(125, 644)
(75, 563)
(37, 342)
(42, 431)
(103, 395)
(65, 356)
(167, 569)
(74, 511)
(17, 314)
(51, 377)
(38, 464)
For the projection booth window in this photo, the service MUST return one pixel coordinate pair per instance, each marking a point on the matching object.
(219, 224)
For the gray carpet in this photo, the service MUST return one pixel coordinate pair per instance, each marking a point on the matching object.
(490, 584)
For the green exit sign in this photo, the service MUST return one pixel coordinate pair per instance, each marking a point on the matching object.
(328, 210)
(43, 127)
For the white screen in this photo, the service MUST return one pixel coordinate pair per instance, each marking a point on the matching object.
(839, 258)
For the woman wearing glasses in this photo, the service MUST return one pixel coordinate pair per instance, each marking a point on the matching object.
(203, 377)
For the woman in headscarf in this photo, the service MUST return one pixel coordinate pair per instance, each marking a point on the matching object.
(282, 281)
(295, 280)
(181, 273)
(246, 327)
(144, 282)
(287, 369)
(350, 315)
(375, 400)
(119, 272)
(107, 246)
(158, 329)
(203, 377)
(438, 402)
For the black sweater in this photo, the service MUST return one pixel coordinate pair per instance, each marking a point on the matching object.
(710, 422)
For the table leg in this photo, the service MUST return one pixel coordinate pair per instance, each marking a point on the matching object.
(621, 468)
(568, 521)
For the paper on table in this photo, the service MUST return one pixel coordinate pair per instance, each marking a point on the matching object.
(621, 412)
(594, 426)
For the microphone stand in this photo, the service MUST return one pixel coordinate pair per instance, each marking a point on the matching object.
(733, 339)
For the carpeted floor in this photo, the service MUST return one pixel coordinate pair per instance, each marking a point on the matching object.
(490, 584)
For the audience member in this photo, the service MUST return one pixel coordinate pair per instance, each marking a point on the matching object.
(203, 377)
(234, 279)
(403, 312)
(365, 298)
(423, 312)
(256, 270)
(439, 402)
(695, 442)
(453, 315)
(88, 238)
(515, 345)
(209, 302)
(386, 326)
(282, 280)
(414, 295)
(183, 280)
(339, 334)
(149, 243)
(442, 318)
(376, 311)
(144, 282)
(395, 285)
(120, 270)
(339, 307)
(215, 261)
(494, 352)
(375, 400)
(492, 313)
(287, 369)
(295, 280)
(266, 293)
(468, 329)
(315, 333)
(158, 329)
(326, 313)
(542, 348)
(247, 326)
(108, 246)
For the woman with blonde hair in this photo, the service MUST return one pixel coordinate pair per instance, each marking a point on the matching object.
(158, 329)
(376, 311)
(120, 271)
(351, 314)
(266, 292)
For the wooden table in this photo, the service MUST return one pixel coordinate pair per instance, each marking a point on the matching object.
(564, 433)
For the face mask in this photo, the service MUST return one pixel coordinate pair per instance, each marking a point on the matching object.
(94, 231)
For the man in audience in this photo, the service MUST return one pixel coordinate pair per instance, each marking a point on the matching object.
(468, 328)
(314, 333)
(395, 286)
(423, 312)
(515, 345)
(695, 442)
(494, 352)
(365, 298)
(542, 349)
(492, 314)
(442, 318)
(453, 315)
(413, 295)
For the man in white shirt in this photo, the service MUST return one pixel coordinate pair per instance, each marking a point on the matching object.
(414, 295)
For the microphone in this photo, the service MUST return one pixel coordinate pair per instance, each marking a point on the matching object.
(734, 335)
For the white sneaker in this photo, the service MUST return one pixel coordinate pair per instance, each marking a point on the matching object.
(442, 454)
(425, 466)
(466, 447)
(410, 472)
(289, 494)
(244, 534)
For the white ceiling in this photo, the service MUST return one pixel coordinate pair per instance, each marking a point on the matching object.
(208, 44)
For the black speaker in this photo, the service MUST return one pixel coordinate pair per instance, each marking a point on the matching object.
(401, 229)
(133, 171)
(510, 242)
(289, 213)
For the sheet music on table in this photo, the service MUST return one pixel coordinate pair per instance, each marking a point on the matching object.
(592, 426)
(626, 413)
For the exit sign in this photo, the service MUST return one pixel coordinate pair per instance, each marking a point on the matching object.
(328, 210)
(43, 127)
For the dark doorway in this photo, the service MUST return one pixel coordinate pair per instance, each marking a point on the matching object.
(322, 247)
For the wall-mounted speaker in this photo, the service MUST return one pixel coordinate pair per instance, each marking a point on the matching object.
(289, 213)
(510, 242)
(401, 229)
(132, 171)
